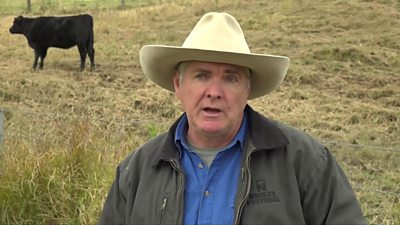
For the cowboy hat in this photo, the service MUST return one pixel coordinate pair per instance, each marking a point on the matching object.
(217, 37)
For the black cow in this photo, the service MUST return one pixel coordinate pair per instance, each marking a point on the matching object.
(60, 32)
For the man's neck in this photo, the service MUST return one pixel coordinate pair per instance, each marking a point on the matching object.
(210, 141)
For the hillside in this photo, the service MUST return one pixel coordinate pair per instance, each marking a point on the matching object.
(343, 86)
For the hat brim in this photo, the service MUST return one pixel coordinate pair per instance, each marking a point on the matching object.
(159, 61)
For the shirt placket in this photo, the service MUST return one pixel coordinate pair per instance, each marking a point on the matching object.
(207, 199)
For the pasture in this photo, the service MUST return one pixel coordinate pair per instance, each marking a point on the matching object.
(65, 130)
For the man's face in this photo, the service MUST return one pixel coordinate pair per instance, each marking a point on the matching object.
(214, 96)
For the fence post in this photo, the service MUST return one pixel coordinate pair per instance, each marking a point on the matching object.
(28, 5)
(1, 130)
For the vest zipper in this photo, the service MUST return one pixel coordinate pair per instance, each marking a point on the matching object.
(248, 177)
(163, 206)
(175, 165)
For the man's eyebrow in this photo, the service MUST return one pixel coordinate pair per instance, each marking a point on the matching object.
(227, 70)
(202, 70)
(237, 71)
(233, 70)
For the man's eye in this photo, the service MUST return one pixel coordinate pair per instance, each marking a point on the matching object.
(232, 78)
(200, 76)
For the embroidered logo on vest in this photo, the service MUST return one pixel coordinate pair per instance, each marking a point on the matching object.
(261, 195)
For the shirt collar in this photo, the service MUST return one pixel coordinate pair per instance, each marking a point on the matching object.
(181, 131)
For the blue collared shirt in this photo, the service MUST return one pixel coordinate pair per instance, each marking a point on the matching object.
(210, 193)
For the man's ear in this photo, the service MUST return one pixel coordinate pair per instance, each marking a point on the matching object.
(176, 81)
(248, 89)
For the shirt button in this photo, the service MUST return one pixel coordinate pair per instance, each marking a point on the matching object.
(201, 166)
(206, 193)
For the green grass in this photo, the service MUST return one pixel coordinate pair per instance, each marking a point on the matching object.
(50, 185)
(59, 175)
(59, 187)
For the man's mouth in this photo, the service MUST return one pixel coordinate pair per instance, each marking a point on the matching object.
(211, 110)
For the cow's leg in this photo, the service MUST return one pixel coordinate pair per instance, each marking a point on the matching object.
(82, 53)
(91, 56)
(90, 50)
(35, 61)
(43, 54)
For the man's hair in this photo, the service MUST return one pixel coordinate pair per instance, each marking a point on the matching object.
(181, 67)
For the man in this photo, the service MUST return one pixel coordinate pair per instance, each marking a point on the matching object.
(222, 162)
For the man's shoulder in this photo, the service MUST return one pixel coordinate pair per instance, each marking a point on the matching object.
(147, 152)
(155, 143)
(294, 133)
(300, 140)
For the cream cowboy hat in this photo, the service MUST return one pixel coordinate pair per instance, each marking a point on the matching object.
(217, 37)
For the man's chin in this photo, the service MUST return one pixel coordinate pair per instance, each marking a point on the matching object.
(212, 130)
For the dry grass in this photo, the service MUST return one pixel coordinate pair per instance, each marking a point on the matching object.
(342, 86)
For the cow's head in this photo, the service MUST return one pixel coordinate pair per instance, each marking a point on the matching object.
(17, 26)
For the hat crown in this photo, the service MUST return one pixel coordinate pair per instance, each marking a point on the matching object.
(217, 32)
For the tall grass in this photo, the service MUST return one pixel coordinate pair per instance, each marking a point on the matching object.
(57, 185)
(59, 172)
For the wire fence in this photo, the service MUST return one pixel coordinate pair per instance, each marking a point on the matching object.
(1, 129)
(37, 6)
(360, 146)
(122, 123)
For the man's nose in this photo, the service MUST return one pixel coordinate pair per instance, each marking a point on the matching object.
(214, 90)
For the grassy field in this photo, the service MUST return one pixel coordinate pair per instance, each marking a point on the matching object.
(65, 130)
